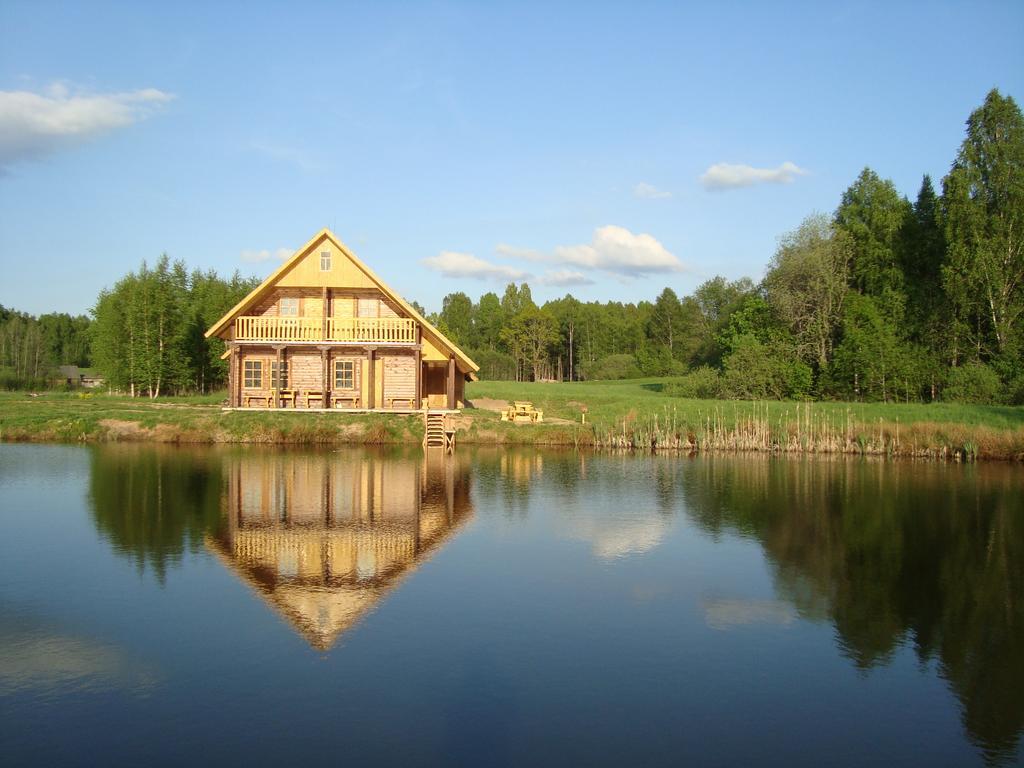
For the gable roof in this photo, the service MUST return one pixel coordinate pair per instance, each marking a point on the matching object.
(462, 359)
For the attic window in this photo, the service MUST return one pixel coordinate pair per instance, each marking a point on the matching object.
(325, 261)
(289, 307)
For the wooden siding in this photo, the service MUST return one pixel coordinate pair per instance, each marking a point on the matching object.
(368, 307)
(342, 274)
(304, 370)
(432, 353)
(265, 308)
(311, 306)
(310, 303)
(343, 306)
(399, 377)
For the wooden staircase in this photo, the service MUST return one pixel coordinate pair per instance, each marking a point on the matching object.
(438, 433)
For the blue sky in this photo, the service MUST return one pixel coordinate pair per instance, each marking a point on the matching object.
(604, 149)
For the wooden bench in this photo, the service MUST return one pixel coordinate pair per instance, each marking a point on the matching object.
(284, 396)
(353, 399)
(250, 396)
(314, 394)
(408, 400)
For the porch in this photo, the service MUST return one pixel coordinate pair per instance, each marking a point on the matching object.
(376, 378)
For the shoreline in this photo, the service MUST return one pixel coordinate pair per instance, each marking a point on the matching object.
(628, 415)
(929, 441)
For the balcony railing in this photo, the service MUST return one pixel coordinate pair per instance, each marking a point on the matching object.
(395, 330)
(357, 330)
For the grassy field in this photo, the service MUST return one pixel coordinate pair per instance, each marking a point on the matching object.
(610, 402)
(620, 414)
(636, 414)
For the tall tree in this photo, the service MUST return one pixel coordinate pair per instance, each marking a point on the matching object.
(530, 335)
(567, 313)
(488, 321)
(923, 251)
(666, 320)
(457, 318)
(806, 285)
(870, 362)
(983, 207)
(147, 331)
(872, 213)
(717, 299)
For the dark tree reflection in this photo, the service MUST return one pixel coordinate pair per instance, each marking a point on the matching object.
(154, 503)
(894, 554)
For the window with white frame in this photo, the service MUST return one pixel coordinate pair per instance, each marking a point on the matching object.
(344, 374)
(325, 261)
(289, 307)
(253, 375)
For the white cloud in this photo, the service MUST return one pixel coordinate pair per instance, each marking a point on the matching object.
(35, 124)
(647, 191)
(616, 249)
(256, 257)
(452, 264)
(563, 278)
(734, 176)
(613, 249)
(622, 535)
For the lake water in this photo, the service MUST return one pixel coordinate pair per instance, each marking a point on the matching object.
(286, 607)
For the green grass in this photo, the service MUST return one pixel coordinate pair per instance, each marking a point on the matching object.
(638, 414)
(70, 416)
(609, 402)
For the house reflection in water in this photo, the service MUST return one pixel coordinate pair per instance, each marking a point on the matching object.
(323, 538)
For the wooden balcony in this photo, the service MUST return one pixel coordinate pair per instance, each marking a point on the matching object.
(343, 330)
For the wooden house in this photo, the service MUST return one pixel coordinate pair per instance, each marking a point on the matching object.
(324, 331)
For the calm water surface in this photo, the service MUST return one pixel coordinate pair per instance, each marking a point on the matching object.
(272, 607)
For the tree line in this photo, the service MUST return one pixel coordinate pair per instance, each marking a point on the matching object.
(148, 330)
(144, 336)
(885, 299)
(31, 348)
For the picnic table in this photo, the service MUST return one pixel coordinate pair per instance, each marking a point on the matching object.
(522, 409)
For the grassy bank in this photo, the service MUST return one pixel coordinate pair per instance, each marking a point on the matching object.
(634, 414)
(637, 414)
(71, 417)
